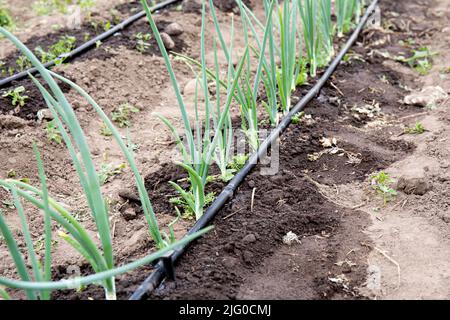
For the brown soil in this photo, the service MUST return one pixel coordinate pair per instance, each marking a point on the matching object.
(34, 103)
(108, 49)
(328, 203)
(411, 234)
(244, 257)
(28, 23)
(126, 38)
(142, 81)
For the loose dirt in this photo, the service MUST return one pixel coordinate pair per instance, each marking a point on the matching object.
(413, 231)
(351, 245)
(141, 80)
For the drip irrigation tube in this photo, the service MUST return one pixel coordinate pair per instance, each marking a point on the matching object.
(165, 266)
(89, 44)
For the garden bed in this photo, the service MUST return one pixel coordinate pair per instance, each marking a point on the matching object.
(244, 257)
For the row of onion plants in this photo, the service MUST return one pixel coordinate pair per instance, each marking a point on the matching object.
(36, 281)
(294, 38)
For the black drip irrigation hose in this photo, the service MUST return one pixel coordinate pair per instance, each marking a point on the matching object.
(89, 44)
(164, 268)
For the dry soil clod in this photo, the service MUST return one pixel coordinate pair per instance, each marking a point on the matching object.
(417, 186)
(168, 41)
(174, 29)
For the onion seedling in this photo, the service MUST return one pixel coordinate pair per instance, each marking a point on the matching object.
(311, 20)
(360, 4)
(225, 141)
(247, 89)
(327, 30)
(224, 150)
(269, 76)
(317, 32)
(222, 156)
(279, 79)
(199, 153)
(101, 258)
(288, 75)
(345, 11)
(247, 93)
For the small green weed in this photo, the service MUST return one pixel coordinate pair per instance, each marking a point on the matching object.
(122, 115)
(420, 60)
(297, 118)
(65, 45)
(382, 183)
(142, 41)
(188, 213)
(16, 96)
(238, 162)
(417, 129)
(6, 21)
(53, 133)
(105, 131)
(108, 171)
(23, 63)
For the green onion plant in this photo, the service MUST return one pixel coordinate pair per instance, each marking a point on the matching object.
(201, 147)
(269, 75)
(310, 21)
(345, 11)
(247, 93)
(327, 31)
(224, 150)
(101, 258)
(288, 75)
(283, 67)
(317, 32)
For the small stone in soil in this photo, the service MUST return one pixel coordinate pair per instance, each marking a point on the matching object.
(250, 238)
(129, 214)
(190, 88)
(136, 240)
(229, 262)
(174, 29)
(129, 195)
(247, 256)
(229, 247)
(45, 114)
